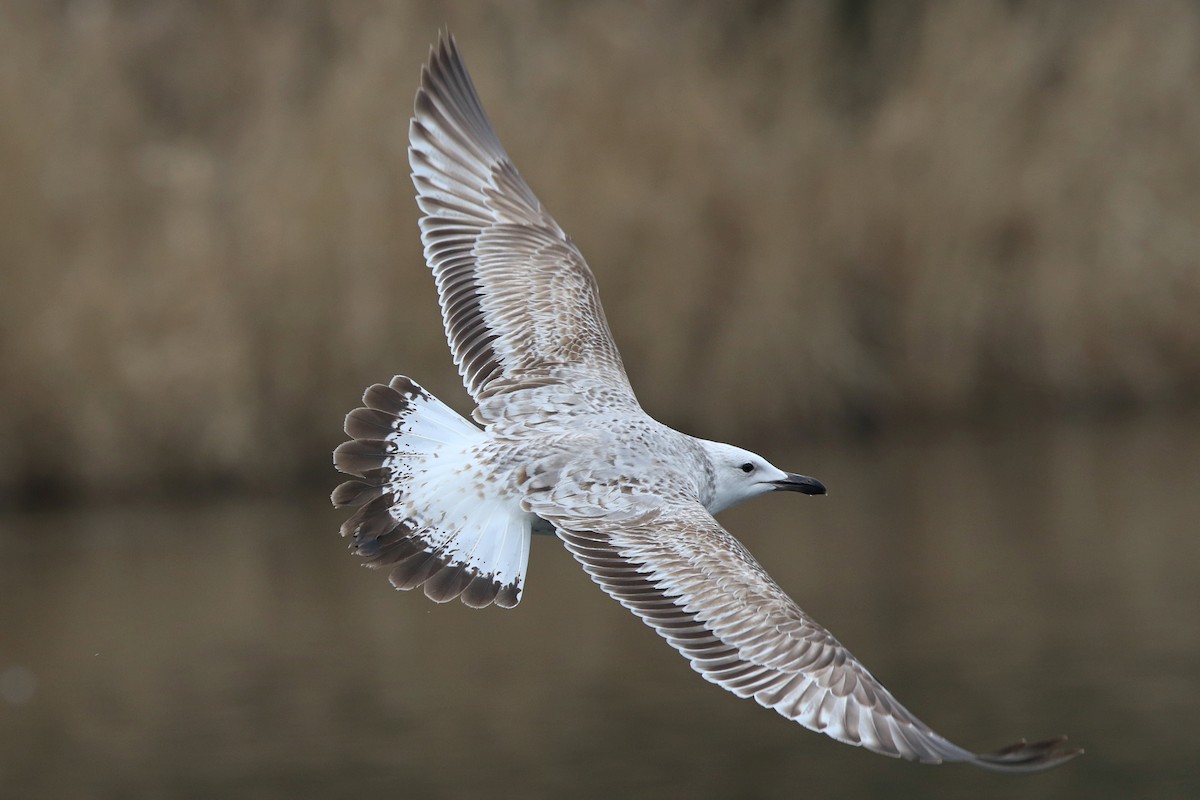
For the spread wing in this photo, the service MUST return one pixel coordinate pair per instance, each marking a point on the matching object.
(702, 591)
(519, 303)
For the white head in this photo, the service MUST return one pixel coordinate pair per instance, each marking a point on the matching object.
(741, 475)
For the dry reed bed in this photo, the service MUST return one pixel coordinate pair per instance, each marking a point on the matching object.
(838, 213)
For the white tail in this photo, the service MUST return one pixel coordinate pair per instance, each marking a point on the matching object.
(425, 508)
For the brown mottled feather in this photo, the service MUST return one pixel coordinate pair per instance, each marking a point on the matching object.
(381, 452)
(702, 591)
(524, 322)
(519, 303)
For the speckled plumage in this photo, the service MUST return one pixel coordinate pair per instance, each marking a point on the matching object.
(565, 447)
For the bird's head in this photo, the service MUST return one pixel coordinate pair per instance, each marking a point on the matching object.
(739, 475)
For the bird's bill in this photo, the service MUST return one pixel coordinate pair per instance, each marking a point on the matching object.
(799, 483)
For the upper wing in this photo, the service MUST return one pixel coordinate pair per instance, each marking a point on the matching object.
(519, 303)
(703, 592)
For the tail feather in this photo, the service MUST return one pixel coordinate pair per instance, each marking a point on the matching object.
(360, 456)
(452, 579)
(481, 592)
(371, 423)
(421, 505)
(355, 493)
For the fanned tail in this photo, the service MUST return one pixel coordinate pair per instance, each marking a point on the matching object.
(421, 509)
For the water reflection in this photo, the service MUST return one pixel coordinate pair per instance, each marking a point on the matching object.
(1001, 585)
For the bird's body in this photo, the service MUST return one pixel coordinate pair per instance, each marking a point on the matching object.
(560, 445)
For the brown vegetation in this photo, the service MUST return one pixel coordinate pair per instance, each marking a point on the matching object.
(837, 212)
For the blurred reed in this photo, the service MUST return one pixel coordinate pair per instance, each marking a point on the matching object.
(803, 216)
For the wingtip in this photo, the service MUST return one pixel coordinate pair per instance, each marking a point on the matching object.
(1021, 756)
(444, 50)
(441, 52)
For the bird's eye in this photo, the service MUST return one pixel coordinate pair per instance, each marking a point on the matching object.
(747, 468)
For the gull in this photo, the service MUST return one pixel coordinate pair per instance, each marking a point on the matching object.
(559, 445)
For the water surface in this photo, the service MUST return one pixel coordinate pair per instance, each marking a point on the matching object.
(1000, 584)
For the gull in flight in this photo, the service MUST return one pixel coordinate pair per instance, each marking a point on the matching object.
(560, 445)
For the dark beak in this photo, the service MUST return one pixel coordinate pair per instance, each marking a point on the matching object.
(799, 483)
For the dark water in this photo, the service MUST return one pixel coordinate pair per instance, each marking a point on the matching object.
(1002, 585)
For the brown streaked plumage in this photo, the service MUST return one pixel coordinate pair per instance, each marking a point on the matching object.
(565, 446)
(519, 303)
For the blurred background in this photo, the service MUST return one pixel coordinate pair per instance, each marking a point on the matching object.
(944, 256)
